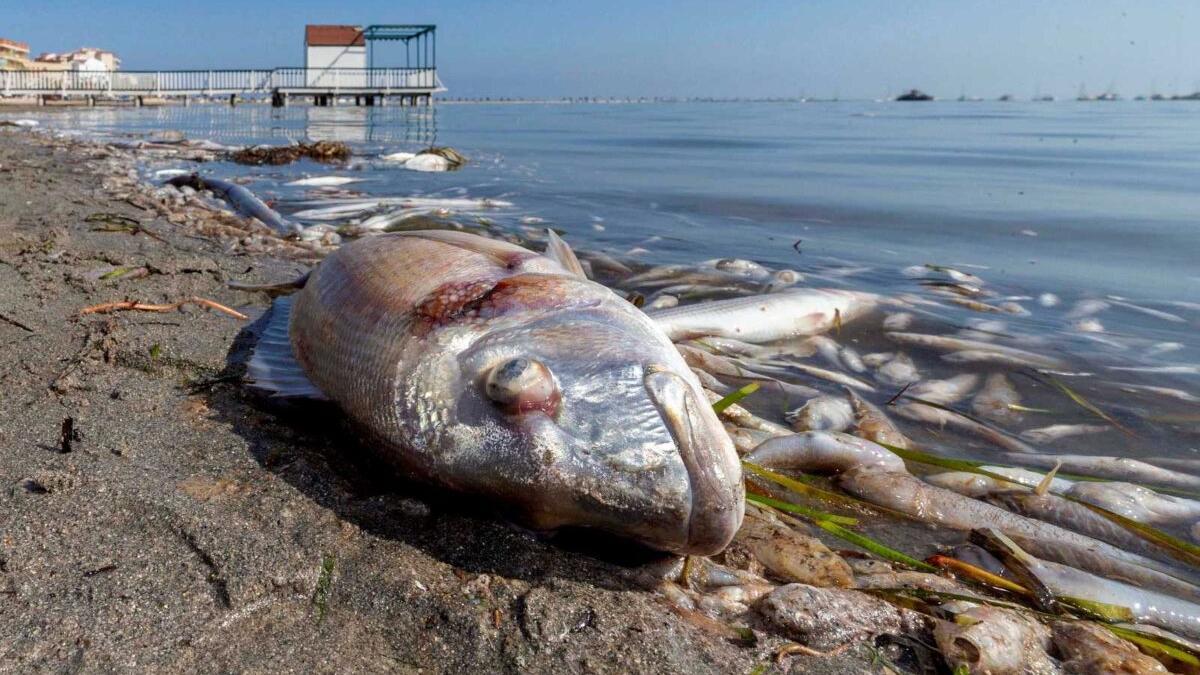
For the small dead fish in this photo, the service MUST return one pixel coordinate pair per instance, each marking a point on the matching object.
(1156, 313)
(1161, 391)
(766, 318)
(873, 424)
(489, 369)
(1088, 647)
(898, 371)
(1086, 308)
(996, 400)
(995, 641)
(876, 359)
(823, 413)
(323, 181)
(959, 345)
(1054, 432)
(897, 321)
(944, 392)
(1178, 369)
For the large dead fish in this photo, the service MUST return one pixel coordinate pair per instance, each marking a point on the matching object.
(489, 369)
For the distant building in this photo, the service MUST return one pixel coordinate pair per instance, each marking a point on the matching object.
(87, 59)
(329, 49)
(13, 55)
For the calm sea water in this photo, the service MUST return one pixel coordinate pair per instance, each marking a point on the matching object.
(1068, 197)
(1083, 200)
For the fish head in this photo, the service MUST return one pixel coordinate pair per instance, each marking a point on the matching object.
(589, 417)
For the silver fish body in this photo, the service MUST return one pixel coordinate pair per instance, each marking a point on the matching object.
(488, 369)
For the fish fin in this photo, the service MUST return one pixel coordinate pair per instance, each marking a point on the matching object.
(273, 367)
(560, 252)
(1044, 486)
(280, 288)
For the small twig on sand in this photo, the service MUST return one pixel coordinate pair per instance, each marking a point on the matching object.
(8, 319)
(124, 305)
(796, 648)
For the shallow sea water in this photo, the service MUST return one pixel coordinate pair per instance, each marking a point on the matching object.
(1082, 200)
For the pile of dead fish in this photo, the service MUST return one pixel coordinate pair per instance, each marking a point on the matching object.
(327, 152)
(873, 398)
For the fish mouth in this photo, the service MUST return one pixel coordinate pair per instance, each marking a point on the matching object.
(714, 473)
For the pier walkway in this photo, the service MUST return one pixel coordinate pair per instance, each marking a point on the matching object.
(367, 85)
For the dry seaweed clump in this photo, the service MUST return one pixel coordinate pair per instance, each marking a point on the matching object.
(322, 151)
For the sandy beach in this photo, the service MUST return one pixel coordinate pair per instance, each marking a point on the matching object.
(186, 524)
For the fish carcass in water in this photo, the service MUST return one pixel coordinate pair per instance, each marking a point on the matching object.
(766, 318)
(489, 369)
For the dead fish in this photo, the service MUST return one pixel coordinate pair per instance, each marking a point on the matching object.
(1076, 517)
(823, 413)
(950, 344)
(1161, 391)
(766, 318)
(1055, 432)
(1088, 647)
(899, 371)
(826, 452)
(323, 181)
(903, 492)
(1156, 313)
(944, 392)
(985, 640)
(996, 400)
(1178, 369)
(1086, 308)
(242, 200)
(489, 369)
(1114, 468)
(897, 321)
(1146, 606)
(873, 424)
(876, 359)
(662, 301)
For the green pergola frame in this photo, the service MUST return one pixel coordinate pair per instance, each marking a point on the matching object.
(420, 43)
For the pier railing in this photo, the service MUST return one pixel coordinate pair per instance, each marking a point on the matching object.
(218, 82)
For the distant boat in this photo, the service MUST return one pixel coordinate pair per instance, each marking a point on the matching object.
(1047, 98)
(1005, 97)
(914, 95)
(1108, 96)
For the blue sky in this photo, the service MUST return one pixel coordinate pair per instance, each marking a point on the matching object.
(683, 48)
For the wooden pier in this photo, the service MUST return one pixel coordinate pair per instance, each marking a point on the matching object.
(367, 86)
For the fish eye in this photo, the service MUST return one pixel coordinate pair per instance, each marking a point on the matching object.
(521, 385)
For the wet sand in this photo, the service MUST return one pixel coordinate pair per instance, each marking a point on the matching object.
(190, 525)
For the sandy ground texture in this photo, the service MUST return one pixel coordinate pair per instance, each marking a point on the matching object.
(184, 523)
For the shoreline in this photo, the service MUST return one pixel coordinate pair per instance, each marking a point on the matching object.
(193, 526)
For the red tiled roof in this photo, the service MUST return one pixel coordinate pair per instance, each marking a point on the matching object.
(14, 44)
(333, 36)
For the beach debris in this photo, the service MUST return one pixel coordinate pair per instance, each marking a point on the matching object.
(556, 397)
(68, 435)
(19, 123)
(321, 151)
(132, 305)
